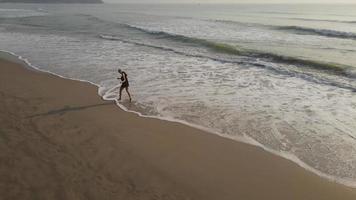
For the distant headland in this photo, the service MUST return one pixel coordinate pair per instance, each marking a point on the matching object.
(51, 1)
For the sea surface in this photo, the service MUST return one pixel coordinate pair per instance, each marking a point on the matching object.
(282, 77)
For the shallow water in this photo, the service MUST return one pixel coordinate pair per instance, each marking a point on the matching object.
(280, 77)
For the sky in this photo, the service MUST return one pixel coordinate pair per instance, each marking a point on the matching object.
(231, 1)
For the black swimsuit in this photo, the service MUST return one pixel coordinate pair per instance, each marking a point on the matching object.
(126, 81)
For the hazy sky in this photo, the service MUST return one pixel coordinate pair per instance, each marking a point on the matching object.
(231, 1)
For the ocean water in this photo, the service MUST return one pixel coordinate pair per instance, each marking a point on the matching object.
(282, 77)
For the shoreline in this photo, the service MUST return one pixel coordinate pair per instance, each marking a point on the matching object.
(13, 57)
(227, 170)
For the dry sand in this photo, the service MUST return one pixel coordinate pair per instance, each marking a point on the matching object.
(59, 140)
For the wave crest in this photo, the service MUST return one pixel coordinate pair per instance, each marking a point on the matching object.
(223, 48)
(320, 32)
(218, 47)
(235, 50)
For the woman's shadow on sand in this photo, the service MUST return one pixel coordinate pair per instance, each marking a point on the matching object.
(66, 109)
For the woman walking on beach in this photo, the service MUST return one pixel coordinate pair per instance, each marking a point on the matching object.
(124, 83)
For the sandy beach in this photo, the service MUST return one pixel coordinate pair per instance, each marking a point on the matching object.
(60, 140)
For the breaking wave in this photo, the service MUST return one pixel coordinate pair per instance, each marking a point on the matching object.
(235, 50)
(320, 32)
(302, 30)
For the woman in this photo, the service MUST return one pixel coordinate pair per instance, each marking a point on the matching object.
(124, 83)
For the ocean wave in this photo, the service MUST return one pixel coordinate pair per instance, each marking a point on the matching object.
(322, 20)
(265, 60)
(219, 50)
(116, 38)
(213, 46)
(218, 47)
(19, 13)
(235, 50)
(320, 32)
(300, 29)
(331, 67)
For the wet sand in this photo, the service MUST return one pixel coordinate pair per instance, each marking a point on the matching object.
(59, 140)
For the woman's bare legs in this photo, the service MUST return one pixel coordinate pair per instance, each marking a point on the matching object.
(127, 90)
(121, 88)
